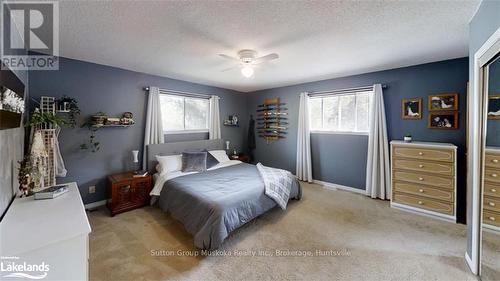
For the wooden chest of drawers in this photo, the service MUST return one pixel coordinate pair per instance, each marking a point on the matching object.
(127, 192)
(491, 197)
(424, 178)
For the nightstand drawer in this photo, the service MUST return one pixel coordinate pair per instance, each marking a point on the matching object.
(128, 192)
(424, 203)
(491, 189)
(438, 181)
(492, 160)
(423, 166)
(491, 204)
(492, 175)
(424, 191)
(491, 218)
(424, 154)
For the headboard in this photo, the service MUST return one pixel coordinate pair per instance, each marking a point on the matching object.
(174, 148)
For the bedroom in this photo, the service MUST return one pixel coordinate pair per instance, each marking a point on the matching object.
(368, 120)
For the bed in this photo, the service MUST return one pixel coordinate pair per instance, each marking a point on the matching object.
(214, 203)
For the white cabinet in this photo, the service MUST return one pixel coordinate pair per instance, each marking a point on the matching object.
(46, 237)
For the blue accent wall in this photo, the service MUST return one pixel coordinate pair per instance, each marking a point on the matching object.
(484, 23)
(114, 91)
(493, 127)
(341, 159)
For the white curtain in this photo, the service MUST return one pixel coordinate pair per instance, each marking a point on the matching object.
(214, 126)
(154, 129)
(378, 183)
(60, 167)
(304, 167)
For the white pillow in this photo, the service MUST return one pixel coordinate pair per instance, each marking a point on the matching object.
(170, 163)
(220, 155)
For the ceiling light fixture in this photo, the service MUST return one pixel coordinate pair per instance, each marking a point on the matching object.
(247, 71)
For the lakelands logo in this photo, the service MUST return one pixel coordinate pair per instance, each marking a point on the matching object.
(12, 267)
(30, 35)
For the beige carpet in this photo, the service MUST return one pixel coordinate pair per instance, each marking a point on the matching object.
(359, 239)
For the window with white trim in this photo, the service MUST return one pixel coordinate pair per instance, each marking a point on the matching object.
(341, 113)
(184, 114)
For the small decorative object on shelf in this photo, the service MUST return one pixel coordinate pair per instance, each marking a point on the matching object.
(407, 138)
(272, 120)
(127, 192)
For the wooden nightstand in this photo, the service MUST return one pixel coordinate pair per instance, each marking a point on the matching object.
(126, 192)
(242, 157)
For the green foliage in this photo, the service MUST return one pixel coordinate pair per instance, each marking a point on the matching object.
(74, 110)
(92, 143)
(40, 118)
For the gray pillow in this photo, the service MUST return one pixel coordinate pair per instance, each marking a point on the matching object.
(194, 161)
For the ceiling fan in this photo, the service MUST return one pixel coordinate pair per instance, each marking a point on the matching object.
(248, 60)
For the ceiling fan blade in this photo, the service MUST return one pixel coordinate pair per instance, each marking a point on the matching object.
(265, 58)
(229, 57)
(230, 68)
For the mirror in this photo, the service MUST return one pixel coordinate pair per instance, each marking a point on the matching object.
(490, 251)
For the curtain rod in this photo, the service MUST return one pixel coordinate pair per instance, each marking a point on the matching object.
(181, 93)
(347, 90)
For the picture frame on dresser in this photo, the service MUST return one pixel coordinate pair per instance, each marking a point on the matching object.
(423, 178)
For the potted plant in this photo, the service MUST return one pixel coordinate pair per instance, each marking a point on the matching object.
(407, 138)
(25, 177)
(45, 118)
(69, 105)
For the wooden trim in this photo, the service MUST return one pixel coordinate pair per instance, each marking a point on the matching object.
(403, 111)
(434, 113)
(455, 103)
(493, 117)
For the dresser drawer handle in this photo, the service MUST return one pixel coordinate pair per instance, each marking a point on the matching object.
(421, 190)
(493, 190)
(492, 204)
(492, 218)
(420, 166)
(420, 203)
(494, 160)
(420, 153)
(420, 179)
(494, 175)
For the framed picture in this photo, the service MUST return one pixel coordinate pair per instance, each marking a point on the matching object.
(494, 107)
(411, 108)
(443, 102)
(443, 120)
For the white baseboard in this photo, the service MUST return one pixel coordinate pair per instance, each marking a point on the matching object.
(333, 186)
(472, 267)
(94, 205)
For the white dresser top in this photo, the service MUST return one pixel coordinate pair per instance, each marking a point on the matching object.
(493, 149)
(30, 224)
(425, 144)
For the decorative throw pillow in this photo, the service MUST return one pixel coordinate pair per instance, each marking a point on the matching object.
(211, 160)
(194, 161)
(220, 155)
(169, 163)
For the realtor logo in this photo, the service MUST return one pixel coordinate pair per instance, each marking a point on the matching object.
(30, 35)
(12, 267)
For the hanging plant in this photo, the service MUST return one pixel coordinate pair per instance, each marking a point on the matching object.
(92, 143)
(69, 105)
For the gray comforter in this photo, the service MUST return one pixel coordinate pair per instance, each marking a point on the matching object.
(214, 203)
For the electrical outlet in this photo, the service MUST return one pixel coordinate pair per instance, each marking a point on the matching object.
(92, 189)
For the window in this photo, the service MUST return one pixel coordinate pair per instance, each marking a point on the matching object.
(343, 113)
(184, 114)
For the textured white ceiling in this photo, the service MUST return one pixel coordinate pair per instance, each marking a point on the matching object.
(315, 40)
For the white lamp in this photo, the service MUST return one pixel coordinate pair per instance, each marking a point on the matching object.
(227, 145)
(247, 71)
(135, 153)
